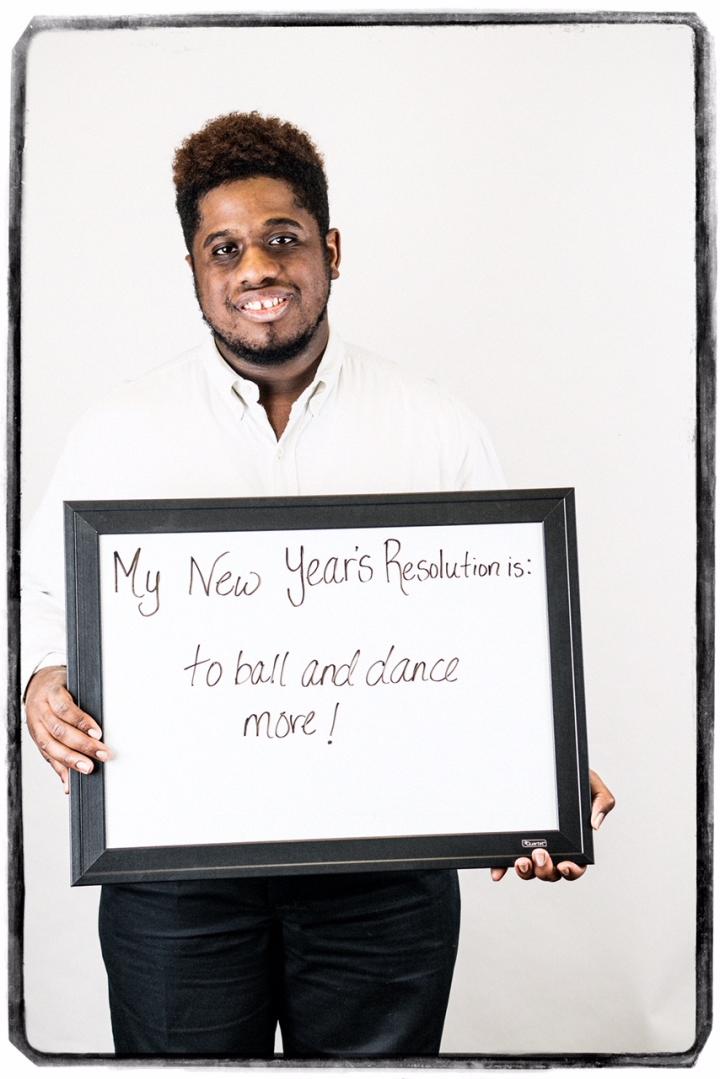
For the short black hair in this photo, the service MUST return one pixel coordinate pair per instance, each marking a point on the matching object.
(241, 145)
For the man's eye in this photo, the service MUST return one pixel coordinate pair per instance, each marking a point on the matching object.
(283, 241)
(225, 249)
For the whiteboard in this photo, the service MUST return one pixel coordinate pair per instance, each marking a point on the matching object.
(383, 678)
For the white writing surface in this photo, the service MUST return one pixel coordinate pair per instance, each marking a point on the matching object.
(320, 684)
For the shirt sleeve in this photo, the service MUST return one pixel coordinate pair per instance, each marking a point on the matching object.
(480, 469)
(42, 610)
(476, 466)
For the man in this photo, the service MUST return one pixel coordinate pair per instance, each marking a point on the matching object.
(272, 403)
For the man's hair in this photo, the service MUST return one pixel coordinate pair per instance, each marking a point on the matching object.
(243, 145)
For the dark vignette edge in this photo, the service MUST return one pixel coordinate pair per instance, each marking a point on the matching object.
(16, 877)
(705, 282)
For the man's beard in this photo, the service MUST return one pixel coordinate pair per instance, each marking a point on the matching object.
(265, 355)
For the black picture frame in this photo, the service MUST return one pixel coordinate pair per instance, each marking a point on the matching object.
(93, 862)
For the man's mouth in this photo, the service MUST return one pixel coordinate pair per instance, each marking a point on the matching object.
(264, 308)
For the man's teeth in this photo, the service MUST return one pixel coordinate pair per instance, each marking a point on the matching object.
(263, 305)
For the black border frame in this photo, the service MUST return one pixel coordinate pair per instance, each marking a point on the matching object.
(86, 522)
(706, 277)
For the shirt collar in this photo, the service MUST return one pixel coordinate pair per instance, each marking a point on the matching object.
(228, 382)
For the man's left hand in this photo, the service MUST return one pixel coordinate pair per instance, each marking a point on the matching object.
(541, 864)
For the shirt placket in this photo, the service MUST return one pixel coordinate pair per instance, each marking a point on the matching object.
(285, 478)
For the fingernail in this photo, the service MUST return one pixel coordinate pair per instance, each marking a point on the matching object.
(597, 820)
(565, 870)
(524, 865)
(102, 755)
(539, 856)
(84, 766)
(95, 733)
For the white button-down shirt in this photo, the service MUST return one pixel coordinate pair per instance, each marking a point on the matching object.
(194, 428)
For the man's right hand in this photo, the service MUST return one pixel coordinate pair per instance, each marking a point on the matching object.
(67, 737)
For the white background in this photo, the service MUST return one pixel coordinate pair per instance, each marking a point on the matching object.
(638, 697)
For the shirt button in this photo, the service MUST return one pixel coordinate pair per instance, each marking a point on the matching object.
(279, 455)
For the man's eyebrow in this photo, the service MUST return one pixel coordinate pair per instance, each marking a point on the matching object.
(221, 235)
(275, 221)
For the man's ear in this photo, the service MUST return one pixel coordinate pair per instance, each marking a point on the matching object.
(332, 242)
(188, 259)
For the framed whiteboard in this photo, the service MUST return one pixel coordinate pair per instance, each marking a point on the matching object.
(324, 684)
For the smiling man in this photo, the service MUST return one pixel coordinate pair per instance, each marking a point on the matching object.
(277, 309)
(269, 319)
(252, 199)
(271, 403)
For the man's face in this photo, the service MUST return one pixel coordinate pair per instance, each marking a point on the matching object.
(262, 270)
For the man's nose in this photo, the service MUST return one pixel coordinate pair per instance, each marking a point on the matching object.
(257, 265)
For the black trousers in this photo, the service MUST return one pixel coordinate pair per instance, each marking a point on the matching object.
(349, 965)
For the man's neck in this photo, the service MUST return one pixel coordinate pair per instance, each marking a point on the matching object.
(280, 385)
